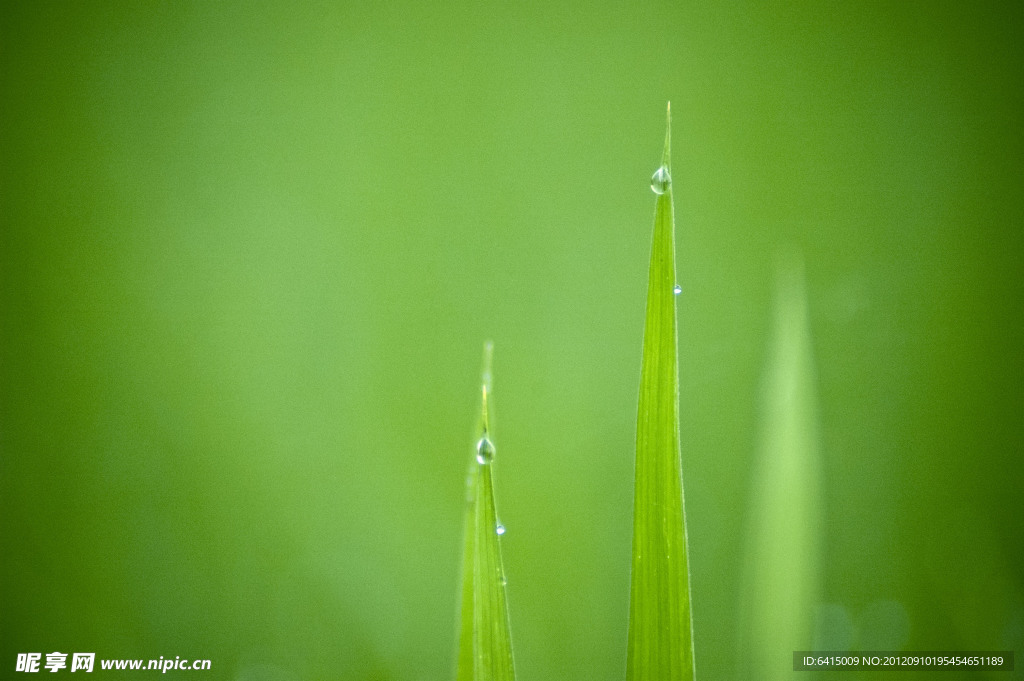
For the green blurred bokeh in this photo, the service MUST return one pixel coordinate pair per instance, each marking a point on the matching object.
(249, 253)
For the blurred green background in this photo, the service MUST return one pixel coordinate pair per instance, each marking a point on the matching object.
(249, 253)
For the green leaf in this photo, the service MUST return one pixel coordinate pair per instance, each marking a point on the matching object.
(782, 573)
(485, 641)
(660, 646)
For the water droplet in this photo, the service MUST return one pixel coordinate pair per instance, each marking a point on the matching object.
(500, 529)
(677, 290)
(661, 180)
(484, 450)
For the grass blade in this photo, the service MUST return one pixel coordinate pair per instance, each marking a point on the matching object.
(783, 571)
(485, 641)
(660, 644)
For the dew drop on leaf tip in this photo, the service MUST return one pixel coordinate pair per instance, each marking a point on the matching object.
(484, 450)
(500, 529)
(677, 289)
(661, 180)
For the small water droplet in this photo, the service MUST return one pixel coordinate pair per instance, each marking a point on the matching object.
(500, 529)
(661, 180)
(484, 450)
(677, 290)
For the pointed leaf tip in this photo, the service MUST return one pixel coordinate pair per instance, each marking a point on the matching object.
(666, 154)
(486, 383)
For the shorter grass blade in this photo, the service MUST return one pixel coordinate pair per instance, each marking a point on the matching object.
(485, 640)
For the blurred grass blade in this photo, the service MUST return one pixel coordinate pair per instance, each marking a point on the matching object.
(660, 645)
(782, 561)
(485, 641)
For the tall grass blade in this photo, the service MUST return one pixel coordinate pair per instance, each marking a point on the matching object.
(782, 578)
(660, 644)
(485, 641)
